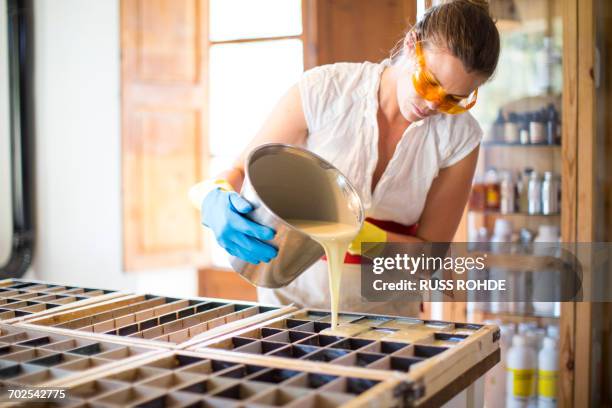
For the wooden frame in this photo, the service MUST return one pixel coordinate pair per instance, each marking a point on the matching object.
(137, 309)
(432, 383)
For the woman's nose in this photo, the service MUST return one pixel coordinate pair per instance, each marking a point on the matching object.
(432, 105)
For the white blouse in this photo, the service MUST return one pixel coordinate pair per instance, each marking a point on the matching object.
(340, 103)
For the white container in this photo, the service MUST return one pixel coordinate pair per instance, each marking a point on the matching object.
(502, 232)
(547, 233)
(542, 286)
(552, 330)
(524, 327)
(548, 373)
(521, 374)
(507, 203)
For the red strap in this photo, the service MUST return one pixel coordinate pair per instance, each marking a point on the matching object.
(388, 226)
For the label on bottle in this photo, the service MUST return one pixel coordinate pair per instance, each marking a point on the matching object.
(523, 382)
(547, 384)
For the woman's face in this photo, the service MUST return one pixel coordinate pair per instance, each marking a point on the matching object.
(447, 69)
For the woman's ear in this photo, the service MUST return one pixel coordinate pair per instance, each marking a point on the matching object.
(409, 42)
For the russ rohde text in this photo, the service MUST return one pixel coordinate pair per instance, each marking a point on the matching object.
(441, 284)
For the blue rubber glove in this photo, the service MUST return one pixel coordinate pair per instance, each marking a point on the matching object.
(222, 211)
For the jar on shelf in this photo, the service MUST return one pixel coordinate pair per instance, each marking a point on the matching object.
(492, 197)
(534, 193)
(478, 195)
(550, 193)
(508, 193)
(537, 134)
(552, 125)
(511, 129)
(522, 185)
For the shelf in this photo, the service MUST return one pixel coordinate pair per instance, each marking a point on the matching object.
(516, 214)
(522, 262)
(530, 145)
(508, 317)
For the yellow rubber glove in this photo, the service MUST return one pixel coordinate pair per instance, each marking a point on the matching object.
(198, 192)
(369, 233)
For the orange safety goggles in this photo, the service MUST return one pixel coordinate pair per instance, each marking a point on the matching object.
(426, 85)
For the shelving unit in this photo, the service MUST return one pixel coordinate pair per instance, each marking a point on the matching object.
(571, 22)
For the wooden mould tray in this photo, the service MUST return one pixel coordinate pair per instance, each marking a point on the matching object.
(431, 354)
(180, 378)
(20, 299)
(38, 358)
(159, 320)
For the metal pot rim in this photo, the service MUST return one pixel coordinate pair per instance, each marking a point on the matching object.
(300, 151)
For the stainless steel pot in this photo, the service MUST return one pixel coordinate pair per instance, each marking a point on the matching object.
(285, 182)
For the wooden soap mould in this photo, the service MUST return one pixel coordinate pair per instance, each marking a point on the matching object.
(20, 299)
(39, 358)
(438, 358)
(158, 320)
(183, 378)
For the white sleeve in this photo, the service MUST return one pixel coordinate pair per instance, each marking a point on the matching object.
(464, 135)
(318, 92)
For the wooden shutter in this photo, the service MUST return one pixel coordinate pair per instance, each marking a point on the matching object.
(360, 30)
(163, 69)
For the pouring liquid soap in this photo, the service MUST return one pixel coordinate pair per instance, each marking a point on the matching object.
(335, 239)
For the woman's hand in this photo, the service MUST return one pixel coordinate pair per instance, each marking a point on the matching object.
(223, 212)
(368, 233)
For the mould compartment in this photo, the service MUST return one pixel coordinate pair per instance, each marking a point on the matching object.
(32, 357)
(169, 381)
(156, 318)
(19, 298)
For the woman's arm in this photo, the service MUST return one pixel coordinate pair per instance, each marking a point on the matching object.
(445, 203)
(285, 124)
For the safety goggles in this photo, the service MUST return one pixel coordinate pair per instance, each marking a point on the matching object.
(426, 85)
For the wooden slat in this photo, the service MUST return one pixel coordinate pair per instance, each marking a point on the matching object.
(586, 211)
(569, 199)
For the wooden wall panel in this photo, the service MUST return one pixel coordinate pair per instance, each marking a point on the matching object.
(360, 30)
(168, 34)
(169, 169)
(163, 122)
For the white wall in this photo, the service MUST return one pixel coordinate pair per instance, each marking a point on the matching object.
(6, 223)
(78, 151)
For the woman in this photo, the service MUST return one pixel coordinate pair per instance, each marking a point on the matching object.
(399, 130)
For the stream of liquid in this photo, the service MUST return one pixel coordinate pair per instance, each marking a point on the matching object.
(335, 239)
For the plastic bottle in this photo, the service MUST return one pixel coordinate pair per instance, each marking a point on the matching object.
(502, 232)
(521, 374)
(498, 127)
(508, 193)
(548, 371)
(534, 193)
(550, 193)
(522, 186)
(524, 128)
(552, 331)
(552, 125)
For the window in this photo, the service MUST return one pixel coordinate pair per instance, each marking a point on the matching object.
(255, 55)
